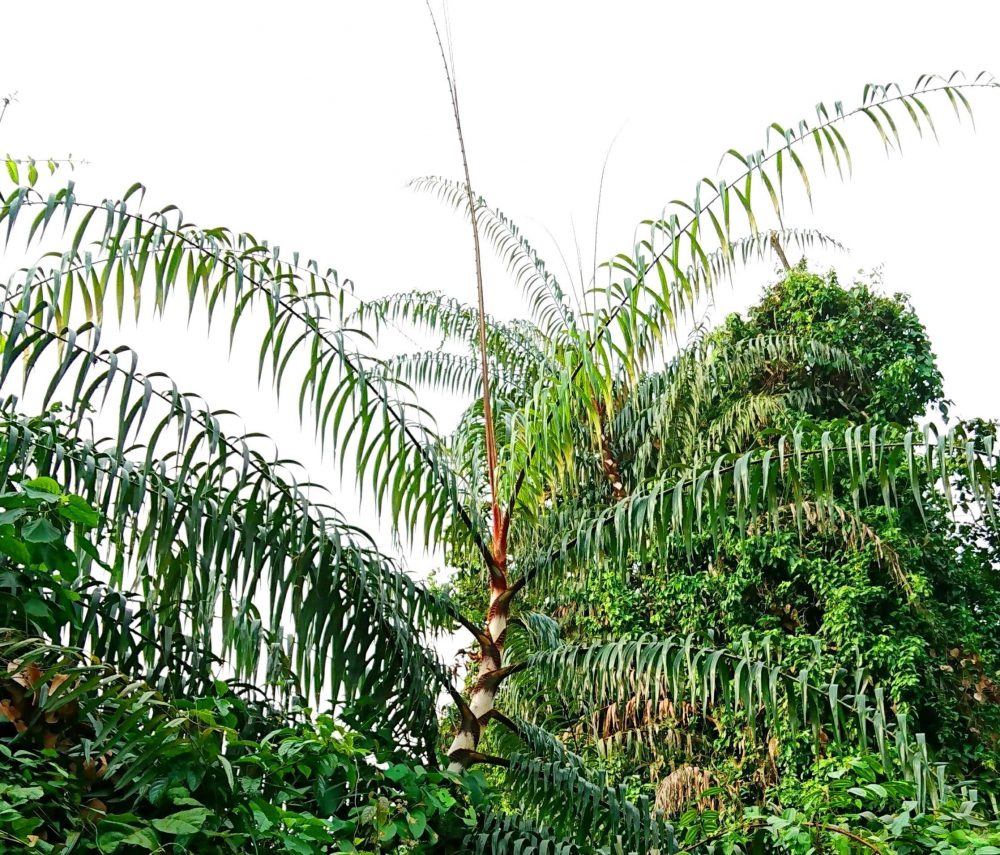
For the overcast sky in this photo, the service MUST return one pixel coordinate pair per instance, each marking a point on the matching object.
(302, 122)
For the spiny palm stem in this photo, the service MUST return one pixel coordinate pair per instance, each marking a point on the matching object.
(776, 245)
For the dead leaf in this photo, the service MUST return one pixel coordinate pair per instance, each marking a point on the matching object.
(28, 677)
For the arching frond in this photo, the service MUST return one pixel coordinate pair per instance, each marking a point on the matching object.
(547, 301)
(548, 426)
(845, 707)
(531, 741)
(458, 374)
(534, 631)
(62, 684)
(652, 274)
(877, 462)
(662, 306)
(241, 561)
(513, 343)
(227, 529)
(674, 415)
(352, 402)
(587, 812)
(710, 213)
(505, 834)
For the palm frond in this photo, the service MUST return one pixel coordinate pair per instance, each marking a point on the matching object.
(449, 319)
(850, 529)
(351, 401)
(661, 519)
(223, 525)
(458, 374)
(546, 427)
(64, 685)
(843, 706)
(673, 415)
(505, 834)
(587, 812)
(668, 301)
(653, 273)
(547, 301)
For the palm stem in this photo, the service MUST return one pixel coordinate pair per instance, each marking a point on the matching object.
(462, 752)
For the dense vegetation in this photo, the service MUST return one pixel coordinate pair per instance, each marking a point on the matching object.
(723, 590)
(94, 761)
(857, 596)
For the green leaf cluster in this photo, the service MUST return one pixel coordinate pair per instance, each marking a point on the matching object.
(93, 761)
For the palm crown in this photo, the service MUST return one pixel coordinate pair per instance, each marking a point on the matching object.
(603, 442)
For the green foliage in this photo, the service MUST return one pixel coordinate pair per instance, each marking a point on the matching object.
(801, 568)
(294, 789)
(765, 496)
(836, 665)
(95, 762)
(881, 334)
(259, 521)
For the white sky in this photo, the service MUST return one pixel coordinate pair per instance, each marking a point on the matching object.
(302, 122)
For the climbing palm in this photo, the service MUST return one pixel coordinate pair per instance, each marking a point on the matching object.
(594, 442)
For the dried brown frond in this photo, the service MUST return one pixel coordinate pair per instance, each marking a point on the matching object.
(684, 788)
